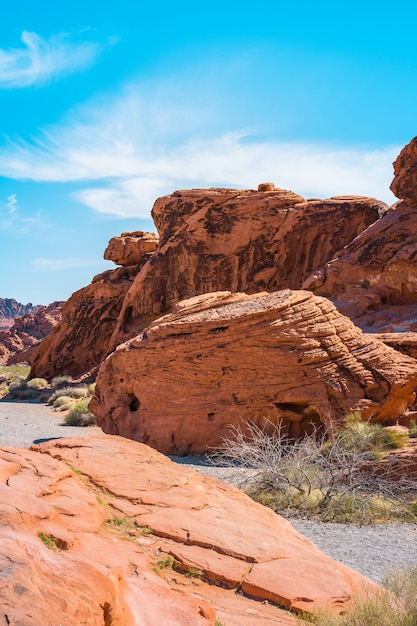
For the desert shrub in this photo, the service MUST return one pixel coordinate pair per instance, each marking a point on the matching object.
(70, 392)
(19, 389)
(79, 392)
(61, 381)
(369, 440)
(413, 429)
(395, 603)
(80, 415)
(62, 401)
(330, 479)
(38, 383)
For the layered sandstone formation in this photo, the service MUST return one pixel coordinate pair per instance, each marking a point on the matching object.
(209, 239)
(87, 541)
(18, 343)
(89, 317)
(222, 359)
(375, 280)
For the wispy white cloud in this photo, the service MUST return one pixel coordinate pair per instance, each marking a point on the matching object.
(39, 60)
(10, 206)
(133, 149)
(46, 265)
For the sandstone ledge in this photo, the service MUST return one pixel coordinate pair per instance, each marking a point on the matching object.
(95, 513)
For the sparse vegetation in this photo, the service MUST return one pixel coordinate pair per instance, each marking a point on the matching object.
(37, 383)
(326, 477)
(80, 415)
(61, 381)
(52, 542)
(395, 604)
(61, 394)
(413, 429)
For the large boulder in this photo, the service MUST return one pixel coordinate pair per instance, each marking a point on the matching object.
(88, 541)
(222, 359)
(209, 240)
(374, 280)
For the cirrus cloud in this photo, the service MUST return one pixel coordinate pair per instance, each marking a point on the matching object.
(39, 60)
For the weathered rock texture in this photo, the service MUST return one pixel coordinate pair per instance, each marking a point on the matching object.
(130, 248)
(111, 525)
(89, 317)
(209, 240)
(18, 343)
(375, 280)
(222, 359)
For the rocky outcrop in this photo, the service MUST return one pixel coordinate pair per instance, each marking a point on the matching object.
(130, 248)
(374, 280)
(19, 342)
(88, 541)
(222, 359)
(404, 185)
(10, 309)
(209, 239)
(89, 317)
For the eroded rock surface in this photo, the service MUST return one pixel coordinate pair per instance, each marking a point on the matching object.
(89, 317)
(209, 240)
(375, 280)
(222, 359)
(86, 527)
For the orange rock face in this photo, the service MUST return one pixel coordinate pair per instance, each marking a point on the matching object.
(209, 240)
(130, 248)
(85, 541)
(404, 185)
(222, 359)
(89, 317)
(375, 280)
(18, 343)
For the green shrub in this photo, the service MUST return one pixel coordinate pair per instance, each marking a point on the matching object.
(69, 392)
(370, 440)
(62, 401)
(38, 383)
(413, 429)
(80, 415)
(61, 381)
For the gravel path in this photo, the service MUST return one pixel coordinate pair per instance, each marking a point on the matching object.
(23, 424)
(372, 550)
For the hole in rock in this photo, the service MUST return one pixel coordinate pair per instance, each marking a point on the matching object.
(134, 403)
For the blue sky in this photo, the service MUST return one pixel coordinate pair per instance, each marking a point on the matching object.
(107, 105)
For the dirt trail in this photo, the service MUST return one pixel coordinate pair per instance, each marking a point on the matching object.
(23, 424)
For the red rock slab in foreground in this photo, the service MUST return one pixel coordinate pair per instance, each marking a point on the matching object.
(205, 524)
(222, 359)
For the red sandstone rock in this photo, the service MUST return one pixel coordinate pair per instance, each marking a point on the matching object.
(89, 317)
(377, 271)
(129, 248)
(210, 239)
(222, 359)
(96, 513)
(18, 343)
(404, 185)
(374, 280)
